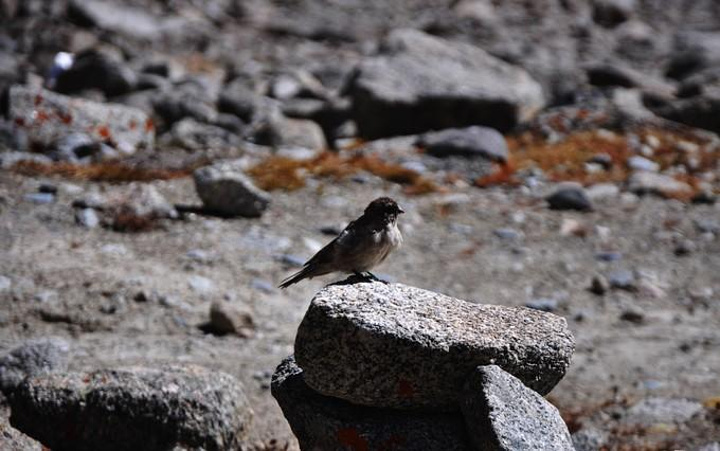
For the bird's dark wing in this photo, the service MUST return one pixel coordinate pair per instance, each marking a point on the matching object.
(316, 266)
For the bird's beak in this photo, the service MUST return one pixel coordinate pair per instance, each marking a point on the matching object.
(400, 210)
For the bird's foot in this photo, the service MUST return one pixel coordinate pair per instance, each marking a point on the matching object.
(375, 278)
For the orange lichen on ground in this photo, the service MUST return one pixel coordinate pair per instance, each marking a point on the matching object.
(288, 174)
(98, 172)
(566, 160)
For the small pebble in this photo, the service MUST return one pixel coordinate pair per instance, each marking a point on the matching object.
(599, 285)
(622, 280)
(40, 198)
(543, 304)
(87, 217)
(633, 315)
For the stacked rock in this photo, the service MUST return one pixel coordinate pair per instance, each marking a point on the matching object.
(380, 366)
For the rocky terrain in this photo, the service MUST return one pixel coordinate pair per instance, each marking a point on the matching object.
(165, 164)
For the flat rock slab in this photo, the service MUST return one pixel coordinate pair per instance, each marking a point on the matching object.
(398, 346)
(47, 117)
(421, 82)
(324, 423)
(133, 409)
(502, 414)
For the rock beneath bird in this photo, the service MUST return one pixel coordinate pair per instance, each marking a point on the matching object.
(226, 190)
(32, 358)
(405, 347)
(13, 440)
(501, 413)
(230, 318)
(569, 196)
(48, 117)
(420, 82)
(469, 142)
(133, 408)
(327, 423)
(658, 184)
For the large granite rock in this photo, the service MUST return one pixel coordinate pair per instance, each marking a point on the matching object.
(399, 346)
(324, 423)
(47, 117)
(502, 414)
(133, 409)
(32, 358)
(419, 83)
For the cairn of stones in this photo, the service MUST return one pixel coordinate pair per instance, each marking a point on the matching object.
(392, 367)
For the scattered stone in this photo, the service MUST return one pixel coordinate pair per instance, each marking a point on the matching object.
(569, 196)
(543, 304)
(573, 227)
(5, 283)
(501, 413)
(87, 217)
(47, 117)
(609, 256)
(611, 13)
(420, 83)
(106, 15)
(81, 148)
(589, 439)
(229, 318)
(263, 285)
(40, 198)
(650, 411)
(508, 234)
(326, 423)
(226, 190)
(32, 358)
(685, 247)
(622, 280)
(633, 315)
(200, 284)
(192, 135)
(96, 70)
(476, 141)
(406, 347)
(603, 191)
(300, 133)
(637, 163)
(134, 408)
(659, 184)
(707, 225)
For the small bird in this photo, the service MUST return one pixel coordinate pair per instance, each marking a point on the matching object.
(365, 243)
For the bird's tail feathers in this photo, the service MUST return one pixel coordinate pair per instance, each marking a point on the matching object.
(307, 271)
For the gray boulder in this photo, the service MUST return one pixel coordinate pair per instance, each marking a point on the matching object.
(226, 190)
(419, 83)
(403, 347)
(569, 196)
(476, 141)
(322, 422)
(32, 358)
(133, 409)
(503, 414)
(47, 117)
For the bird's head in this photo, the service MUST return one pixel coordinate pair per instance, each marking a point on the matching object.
(384, 207)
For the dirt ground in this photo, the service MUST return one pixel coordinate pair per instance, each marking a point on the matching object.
(83, 284)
